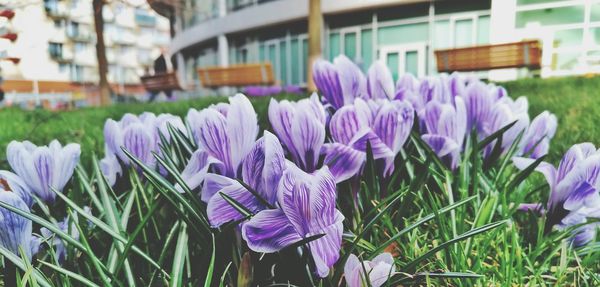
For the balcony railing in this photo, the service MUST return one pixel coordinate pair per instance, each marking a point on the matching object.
(56, 9)
(234, 5)
(80, 35)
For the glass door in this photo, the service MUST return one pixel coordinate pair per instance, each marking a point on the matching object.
(405, 58)
(464, 30)
(350, 38)
(272, 56)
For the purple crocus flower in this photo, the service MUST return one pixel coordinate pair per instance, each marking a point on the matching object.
(44, 167)
(445, 129)
(379, 270)
(15, 230)
(504, 112)
(385, 125)
(307, 208)
(261, 170)
(225, 134)
(340, 82)
(407, 87)
(301, 128)
(479, 103)
(139, 135)
(67, 225)
(380, 84)
(536, 141)
(573, 193)
(12, 182)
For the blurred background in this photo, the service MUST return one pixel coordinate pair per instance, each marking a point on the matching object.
(52, 57)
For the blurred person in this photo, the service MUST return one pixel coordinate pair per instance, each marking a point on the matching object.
(161, 66)
(1, 88)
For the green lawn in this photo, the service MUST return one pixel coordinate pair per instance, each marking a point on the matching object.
(85, 126)
(576, 102)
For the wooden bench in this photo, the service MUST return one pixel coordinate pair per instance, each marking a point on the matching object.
(237, 75)
(161, 82)
(525, 54)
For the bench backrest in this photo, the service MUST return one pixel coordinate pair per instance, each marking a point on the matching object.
(525, 54)
(237, 75)
(161, 82)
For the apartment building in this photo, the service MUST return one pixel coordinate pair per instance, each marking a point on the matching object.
(403, 33)
(56, 41)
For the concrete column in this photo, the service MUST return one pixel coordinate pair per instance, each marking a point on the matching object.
(181, 69)
(222, 7)
(223, 57)
(502, 30)
(223, 51)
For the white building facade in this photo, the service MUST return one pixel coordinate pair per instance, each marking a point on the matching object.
(402, 33)
(56, 41)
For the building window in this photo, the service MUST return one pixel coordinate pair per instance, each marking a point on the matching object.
(63, 68)
(551, 16)
(366, 49)
(55, 50)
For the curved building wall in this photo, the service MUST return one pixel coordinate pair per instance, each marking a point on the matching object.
(403, 34)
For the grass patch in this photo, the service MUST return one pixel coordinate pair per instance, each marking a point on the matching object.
(85, 126)
(574, 100)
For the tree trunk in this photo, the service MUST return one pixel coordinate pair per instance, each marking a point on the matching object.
(315, 22)
(104, 86)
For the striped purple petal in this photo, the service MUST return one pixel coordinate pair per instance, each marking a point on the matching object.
(269, 231)
(380, 83)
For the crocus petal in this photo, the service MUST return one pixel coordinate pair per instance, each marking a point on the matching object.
(544, 168)
(584, 195)
(346, 123)
(20, 159)
(380, 83)
(352, 80)
(308, 200)
(308, 134)
(15, 230)
(575, 155)
(213, 137)
(352, 271)
(111, 169)
(541, 130)
(478, 104)
(584, 234)
(67, 159)
(139, 141)
(12, 182)
(113, 138)
(281, 115)
(196, 169)
(378, 147)
(269, 231)
(326, 250)
(220, 211)
(343, 161)
(264, 166)
(213, 183)
(326, 78)
(44, 163)
(406, 87)
(381, 272)
(242, 128)
(393, 124)
(586, 172)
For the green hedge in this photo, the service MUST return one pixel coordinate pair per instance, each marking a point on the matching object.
(85, 126)
(575, 100)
